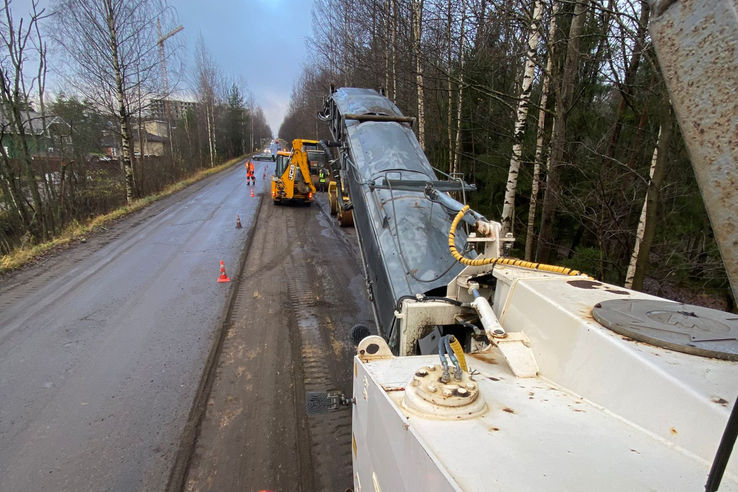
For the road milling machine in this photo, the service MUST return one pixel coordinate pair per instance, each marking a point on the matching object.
(495, 374)
(291, 179)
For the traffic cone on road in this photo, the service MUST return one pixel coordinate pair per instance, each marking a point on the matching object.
(238, 221)
(252, 192)
(223, 277)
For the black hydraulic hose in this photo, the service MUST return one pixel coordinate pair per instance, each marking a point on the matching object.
(723, 453)
(450, 350)
(445, 299)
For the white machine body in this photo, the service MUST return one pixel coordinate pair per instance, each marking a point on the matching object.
(599, 412)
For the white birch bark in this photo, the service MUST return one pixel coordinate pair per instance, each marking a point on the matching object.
(630, 275)
(417, 7)
(394, 51)
(460, 93)
(449, 121)
(385, 25)
(538, 161)
(508, 209)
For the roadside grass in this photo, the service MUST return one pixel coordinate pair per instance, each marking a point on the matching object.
(26, 254)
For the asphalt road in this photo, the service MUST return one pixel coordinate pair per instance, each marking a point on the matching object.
(102, 347)
(302, 289)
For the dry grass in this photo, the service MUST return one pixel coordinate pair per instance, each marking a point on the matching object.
(76, 231)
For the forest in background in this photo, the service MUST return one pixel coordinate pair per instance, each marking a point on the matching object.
(555, 110)
(83, 149)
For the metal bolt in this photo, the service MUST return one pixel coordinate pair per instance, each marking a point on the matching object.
(422, 372)
(462, 391)
(470, 386)
(416, 381)
(431, 367)
(447, 392)
(432, 388)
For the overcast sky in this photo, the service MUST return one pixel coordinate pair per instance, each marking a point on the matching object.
(263, 40)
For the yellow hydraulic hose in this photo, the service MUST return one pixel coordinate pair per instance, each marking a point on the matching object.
(498, 261)
(456, 346)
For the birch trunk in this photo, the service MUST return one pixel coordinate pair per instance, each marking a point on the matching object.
(508, 208)
(123, 118)
(211, 143)
(394, 51)
(652, 196)
(460, 93)
(641, 222)
(449, 121)
(558, 141)
(539, 140)
(417, 12)
(386, 24)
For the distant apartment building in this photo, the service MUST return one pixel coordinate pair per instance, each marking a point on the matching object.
(176, 109)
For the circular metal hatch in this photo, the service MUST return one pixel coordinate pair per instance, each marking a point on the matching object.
(682, 327)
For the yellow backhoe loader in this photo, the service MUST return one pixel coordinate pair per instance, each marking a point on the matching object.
(291, 180)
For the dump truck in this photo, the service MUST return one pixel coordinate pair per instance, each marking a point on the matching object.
(291, 180)
(493, 373)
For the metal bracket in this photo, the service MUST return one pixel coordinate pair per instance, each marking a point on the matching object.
(515, 347)
(322, 402)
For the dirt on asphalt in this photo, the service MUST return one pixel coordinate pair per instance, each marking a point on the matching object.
(301, 290)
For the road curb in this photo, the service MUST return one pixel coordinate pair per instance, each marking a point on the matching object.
(191, 430)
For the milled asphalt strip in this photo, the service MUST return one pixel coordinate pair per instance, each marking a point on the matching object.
(188, 438)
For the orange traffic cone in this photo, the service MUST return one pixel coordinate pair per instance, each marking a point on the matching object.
(238, 221)
(223, 277)
(252, 192)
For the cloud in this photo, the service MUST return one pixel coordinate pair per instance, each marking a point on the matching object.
(263, 40)
(274, 104)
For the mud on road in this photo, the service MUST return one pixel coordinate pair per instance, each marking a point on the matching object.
(301, 290)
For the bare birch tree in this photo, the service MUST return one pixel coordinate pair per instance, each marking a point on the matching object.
(630, 275)
(417, 14)
(112, 45)
(666, 121)
(508, 209)
(540, 136)
(16, 94)
(205, 77)
(460, 93)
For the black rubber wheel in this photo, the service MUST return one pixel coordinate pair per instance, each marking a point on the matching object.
(358, 333)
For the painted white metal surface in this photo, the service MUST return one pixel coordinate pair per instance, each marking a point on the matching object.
(605, 413)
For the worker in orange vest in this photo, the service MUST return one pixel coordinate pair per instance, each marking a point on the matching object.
(250, 178)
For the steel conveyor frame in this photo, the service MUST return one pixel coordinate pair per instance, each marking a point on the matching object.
(402, 234)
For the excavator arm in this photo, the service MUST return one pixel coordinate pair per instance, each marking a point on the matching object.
(300, 161)
(293, 181)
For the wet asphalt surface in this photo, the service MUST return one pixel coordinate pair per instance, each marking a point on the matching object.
(103, 346)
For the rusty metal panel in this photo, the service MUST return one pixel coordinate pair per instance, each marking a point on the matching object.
(697, 46)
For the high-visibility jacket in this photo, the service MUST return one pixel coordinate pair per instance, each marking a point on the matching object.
(250, 168)
(321, 175)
